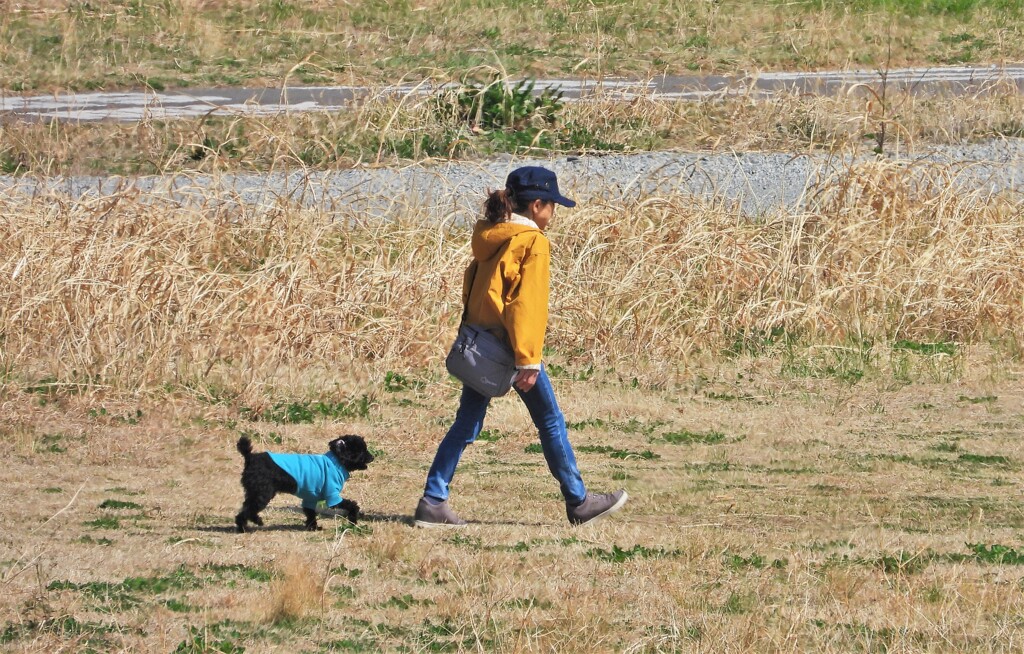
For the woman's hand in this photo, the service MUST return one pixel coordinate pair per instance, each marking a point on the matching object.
(525, 379)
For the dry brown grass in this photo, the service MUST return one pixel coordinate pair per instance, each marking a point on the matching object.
(296, 591)
(831, 517)
(130, 292)
(819, 489)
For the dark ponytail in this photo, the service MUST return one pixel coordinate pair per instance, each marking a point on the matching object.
(501, 204)
(498, 208)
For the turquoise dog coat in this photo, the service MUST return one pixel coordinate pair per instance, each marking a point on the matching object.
(317, 476)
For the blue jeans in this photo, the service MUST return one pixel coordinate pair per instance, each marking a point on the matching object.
(548, 418)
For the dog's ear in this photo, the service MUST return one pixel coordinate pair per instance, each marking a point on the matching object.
(352, 452)
(338, 448)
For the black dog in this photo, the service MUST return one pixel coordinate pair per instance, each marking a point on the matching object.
(313, 477)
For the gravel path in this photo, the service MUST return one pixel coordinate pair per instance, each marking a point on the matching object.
(754, 182)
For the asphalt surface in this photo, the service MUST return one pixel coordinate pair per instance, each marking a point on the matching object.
(131, 106)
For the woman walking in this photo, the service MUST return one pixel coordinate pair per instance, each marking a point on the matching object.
(506, 292)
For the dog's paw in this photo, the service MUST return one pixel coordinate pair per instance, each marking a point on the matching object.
(351, 509)
(313, 527)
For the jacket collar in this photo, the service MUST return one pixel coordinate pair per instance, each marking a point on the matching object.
(516, 219)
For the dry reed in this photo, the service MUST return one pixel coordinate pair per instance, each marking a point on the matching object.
(137, 292)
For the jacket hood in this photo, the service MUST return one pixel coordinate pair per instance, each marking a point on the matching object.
(488, 237)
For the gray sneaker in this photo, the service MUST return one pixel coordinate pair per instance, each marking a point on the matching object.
(436, 515)
(595, 506)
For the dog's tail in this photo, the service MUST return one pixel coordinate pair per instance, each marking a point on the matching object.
(244, 446)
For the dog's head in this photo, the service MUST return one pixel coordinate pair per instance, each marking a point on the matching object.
(351, 452)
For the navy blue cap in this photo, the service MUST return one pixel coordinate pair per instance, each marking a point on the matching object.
(535, 183)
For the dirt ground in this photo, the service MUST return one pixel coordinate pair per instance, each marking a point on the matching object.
(767, 512)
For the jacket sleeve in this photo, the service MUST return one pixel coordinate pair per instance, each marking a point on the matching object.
(526, 307)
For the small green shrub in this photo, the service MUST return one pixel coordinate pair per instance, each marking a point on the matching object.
(497, 104)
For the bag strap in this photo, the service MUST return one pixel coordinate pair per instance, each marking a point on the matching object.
(465, 306)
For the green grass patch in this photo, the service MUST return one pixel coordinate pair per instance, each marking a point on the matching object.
(88, 636)
(984, 399)
(561, 372)
(926, 349)
(301, 412)
(997, 554)
(129, 418)
(984, 459)
(462, 540)
(177, 606)
(619, 555)
(120, 504)
(219, 638)
(224, 572)
(845, 363)
(686, 437)
(106, 522)
(900, 562)
(397, 383)
(51, 443)
(580, 425)
(490, 435)
(405, 602)
(89, 540)
(615, 453)
(738, 603)
(755, 561)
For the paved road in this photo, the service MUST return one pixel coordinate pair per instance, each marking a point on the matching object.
(130, 106)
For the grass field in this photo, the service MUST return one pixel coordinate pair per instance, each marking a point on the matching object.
(817, 417)
(817, 414)
(54, 44)
(769, 512)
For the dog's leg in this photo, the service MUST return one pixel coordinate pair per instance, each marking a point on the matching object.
(351, 508)
(311, 524)
(255, 502)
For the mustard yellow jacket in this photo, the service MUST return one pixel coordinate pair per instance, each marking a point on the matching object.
(510, 276)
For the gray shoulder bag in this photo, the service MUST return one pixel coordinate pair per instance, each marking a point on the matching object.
(479, 359)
